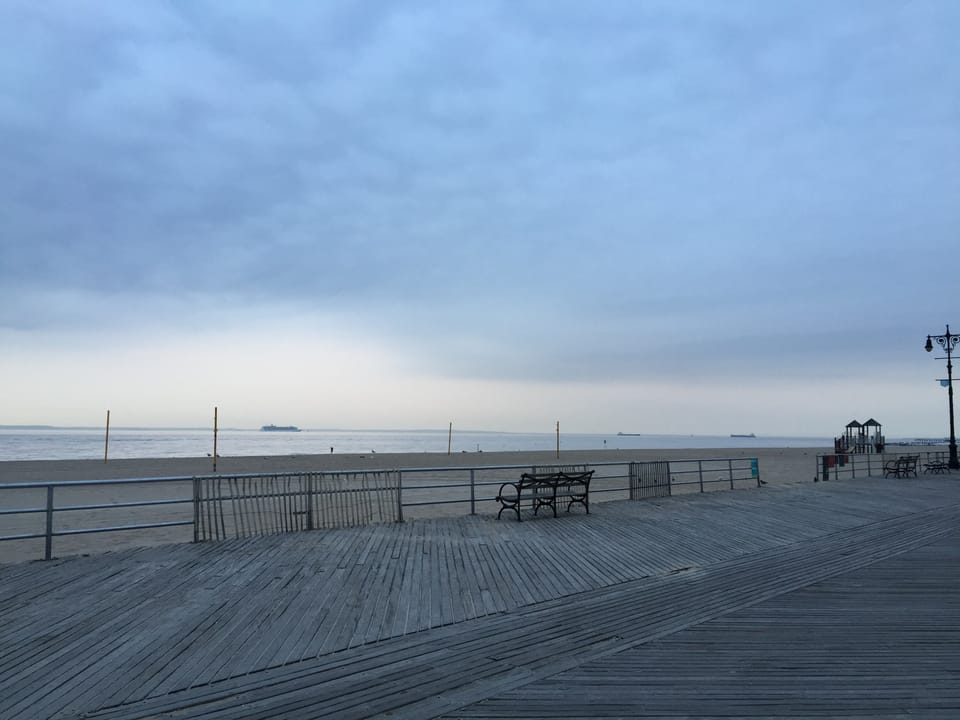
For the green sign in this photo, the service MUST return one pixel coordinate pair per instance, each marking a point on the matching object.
(755, 467)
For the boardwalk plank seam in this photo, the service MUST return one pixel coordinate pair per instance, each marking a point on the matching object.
(729, 590)
(643, 538)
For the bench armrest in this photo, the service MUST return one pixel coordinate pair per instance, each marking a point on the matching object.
(513, 496)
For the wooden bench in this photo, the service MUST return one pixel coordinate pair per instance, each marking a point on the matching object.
(903, 466)
(544, 490)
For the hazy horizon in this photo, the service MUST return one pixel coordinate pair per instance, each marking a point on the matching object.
(438, 430)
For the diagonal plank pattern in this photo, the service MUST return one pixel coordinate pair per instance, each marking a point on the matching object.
(436, 671)
(882, 641)
(201, 624)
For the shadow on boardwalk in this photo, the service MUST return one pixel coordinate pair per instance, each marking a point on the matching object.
(836, 599)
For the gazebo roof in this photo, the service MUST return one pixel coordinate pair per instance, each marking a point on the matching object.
(871, 423)
(854, 423)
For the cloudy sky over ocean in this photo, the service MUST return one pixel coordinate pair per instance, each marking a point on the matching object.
(664, 217)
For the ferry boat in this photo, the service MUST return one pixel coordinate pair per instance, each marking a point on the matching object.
(749, 435)
(280, 428)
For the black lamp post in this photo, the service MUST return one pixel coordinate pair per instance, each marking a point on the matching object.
(948, 342)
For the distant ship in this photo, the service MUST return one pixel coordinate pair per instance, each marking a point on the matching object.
(280, 428)
(748, 435)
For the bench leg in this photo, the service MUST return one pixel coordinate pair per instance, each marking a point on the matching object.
(583, 501)
(545, 502)
(510, 506)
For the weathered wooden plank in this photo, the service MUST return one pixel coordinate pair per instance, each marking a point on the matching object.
(461, 568)
(487, 646)
(255, 591)
(872, 656)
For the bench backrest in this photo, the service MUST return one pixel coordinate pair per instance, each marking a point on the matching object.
(903, 463)
(555, 479)
(538, 478)
(551, 469)
(577, 477)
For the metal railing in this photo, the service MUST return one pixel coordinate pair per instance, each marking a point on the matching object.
(49, 508)
(841, 466)
(223, 506)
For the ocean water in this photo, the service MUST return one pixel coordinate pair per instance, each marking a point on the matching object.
(88, 443)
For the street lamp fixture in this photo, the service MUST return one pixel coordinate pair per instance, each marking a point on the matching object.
(948, 342)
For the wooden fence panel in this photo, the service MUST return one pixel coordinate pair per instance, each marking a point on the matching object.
(253, 505)
(649, 480)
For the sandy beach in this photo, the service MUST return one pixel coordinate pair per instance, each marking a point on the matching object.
(777, 466)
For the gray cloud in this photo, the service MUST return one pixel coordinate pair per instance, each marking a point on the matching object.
(488, 177)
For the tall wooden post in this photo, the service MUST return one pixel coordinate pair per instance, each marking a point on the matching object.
(449, 437)
(558, 439)
(214, 438)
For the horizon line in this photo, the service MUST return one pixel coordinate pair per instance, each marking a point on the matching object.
(394, 430)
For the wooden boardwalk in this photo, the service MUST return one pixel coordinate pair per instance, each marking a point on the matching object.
(838, 599)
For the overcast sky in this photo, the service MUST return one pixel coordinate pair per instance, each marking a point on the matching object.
(664, 217)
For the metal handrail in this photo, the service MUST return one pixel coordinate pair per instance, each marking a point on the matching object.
(734, 470)
(834, 466)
